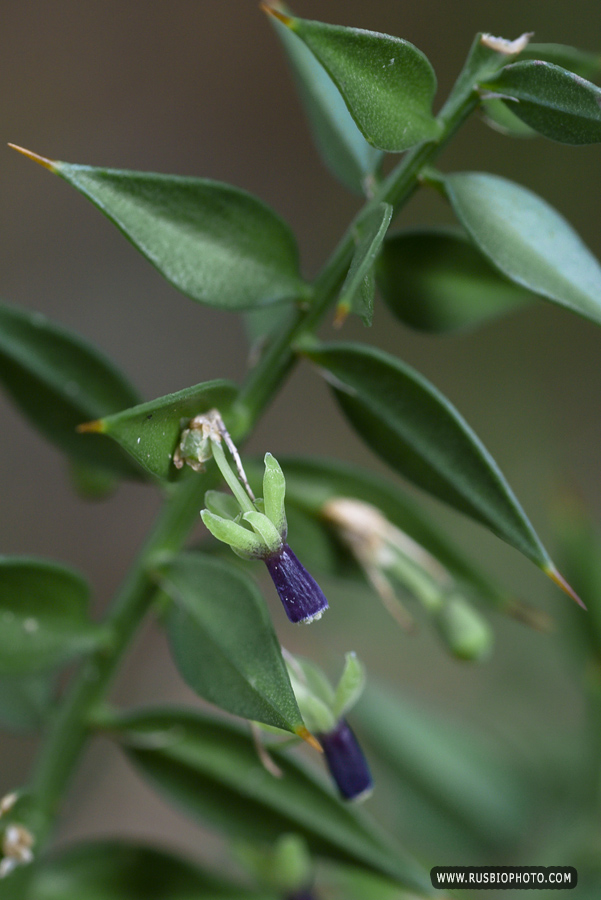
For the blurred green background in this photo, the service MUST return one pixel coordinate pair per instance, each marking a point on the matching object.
(201, 88)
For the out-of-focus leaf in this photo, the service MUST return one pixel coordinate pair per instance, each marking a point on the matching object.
(558, 104)
(43, 616)
(58, 381)
(456, 772)
(357, 294)
(387, 84)
(223, 641)
(211, 769)
(351, 883)
(114, 870)
(25, 701)
(582, 62)
(527, 240)
(343, 148)
(90, 482)
(436, 280)
(412, 426)
(150, 431)
(217, 244)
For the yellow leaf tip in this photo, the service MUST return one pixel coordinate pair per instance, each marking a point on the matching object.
(41, 160)
(342, 311)
(277, 14)
(306, 735)
(560, 581)
(95, 427)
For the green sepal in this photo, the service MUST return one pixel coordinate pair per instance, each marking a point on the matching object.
(350, 687)
(274, 494)
(239, 538)
(267, 531)
(223, 505)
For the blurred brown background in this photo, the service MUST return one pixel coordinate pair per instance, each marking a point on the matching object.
(201, 88)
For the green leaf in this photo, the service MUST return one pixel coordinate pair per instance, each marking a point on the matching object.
(454, 771)
(44, 616)
(343, 148)
(150, 432)
(214, 242)
(115, 870)
(527, 240)
(350, 687)
(211, 768)
(90, 482)
(25, 701)
(357, 294)
(558, 104)
(436, 280)
(224, 644)
(58, 381)
(412, 426)
(387, 84)
(582, 62)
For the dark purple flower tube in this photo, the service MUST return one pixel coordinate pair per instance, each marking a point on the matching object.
(302, 597)
(346, 762)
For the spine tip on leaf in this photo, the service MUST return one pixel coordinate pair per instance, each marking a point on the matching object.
(306, 735)
(560, 581)
(95, 427)
(41, 160)
(276, 13)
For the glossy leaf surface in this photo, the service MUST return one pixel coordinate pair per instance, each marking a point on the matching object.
(412, 426)
(211, 769)
(58, 381)
(114, 870)
(150, 431)
(43, 612)
(559, 104)
(386, 82)
(343, 148)
(217, 244)
(223, 641)
(527, 240)
(436, 280)
(357, 294)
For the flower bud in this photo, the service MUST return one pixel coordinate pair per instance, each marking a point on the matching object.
(346, 762)
(303, 599)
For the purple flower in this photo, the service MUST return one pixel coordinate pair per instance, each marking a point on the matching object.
(303, 599)
(346, 762)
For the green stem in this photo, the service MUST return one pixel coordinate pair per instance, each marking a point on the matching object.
(70, 727)
(231, 479)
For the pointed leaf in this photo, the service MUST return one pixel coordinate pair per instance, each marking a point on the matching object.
(211, 768)
(58, 380)
(214, 242)
(436, 280)
(357, 296)
(350, 687)
(115, 870)
(224, 644)
(343, 148)
(559, 104)
(416, 430)
(44, 616)
(499, 116)
(387, 84)
(527, 240)
(150, 431)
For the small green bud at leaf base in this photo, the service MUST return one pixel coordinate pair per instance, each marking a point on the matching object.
(274, 492)
(285, 868)
(466, 633)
